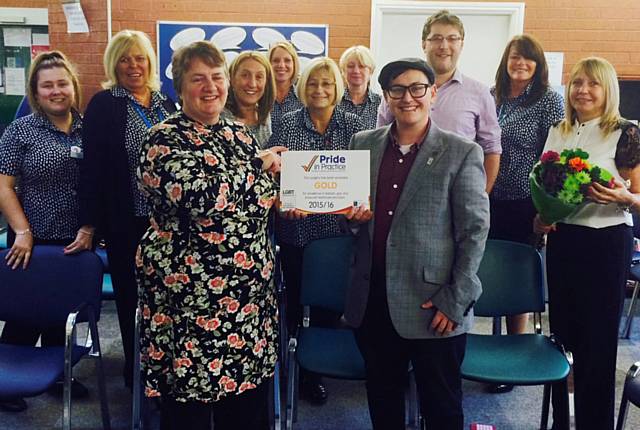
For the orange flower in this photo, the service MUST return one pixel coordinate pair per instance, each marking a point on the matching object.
(577, 164)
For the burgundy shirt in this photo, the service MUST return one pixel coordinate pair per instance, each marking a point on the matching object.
(393, 173)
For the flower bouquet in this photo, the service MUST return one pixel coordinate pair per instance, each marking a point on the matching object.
(560, 182)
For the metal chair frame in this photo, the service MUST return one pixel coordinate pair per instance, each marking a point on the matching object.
(632, 374)
(412, 413)
(488, 309)
(96, 353)
(51, 306)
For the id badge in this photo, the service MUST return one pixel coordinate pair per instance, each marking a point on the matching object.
(76, 152)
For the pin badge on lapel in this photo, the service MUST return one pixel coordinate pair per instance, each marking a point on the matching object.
(429, 161)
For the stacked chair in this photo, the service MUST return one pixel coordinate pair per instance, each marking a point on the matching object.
(512, 283)
(55, 289)
(331, 352)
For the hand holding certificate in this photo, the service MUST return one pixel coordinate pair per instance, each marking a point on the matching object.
(324, 182)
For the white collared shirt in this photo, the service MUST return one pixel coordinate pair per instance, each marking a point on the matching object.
(602, 151)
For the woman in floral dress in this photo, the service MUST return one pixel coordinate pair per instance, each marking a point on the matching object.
(209, 330)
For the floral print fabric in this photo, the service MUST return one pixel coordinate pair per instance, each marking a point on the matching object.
(205, 265)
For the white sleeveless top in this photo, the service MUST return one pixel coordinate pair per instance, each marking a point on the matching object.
(602, 151)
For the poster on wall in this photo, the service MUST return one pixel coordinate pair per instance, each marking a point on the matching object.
(310, 41)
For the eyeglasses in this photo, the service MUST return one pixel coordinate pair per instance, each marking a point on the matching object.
(397, 92)
(438, 39)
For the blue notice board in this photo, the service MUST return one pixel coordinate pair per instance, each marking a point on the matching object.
(310, 41)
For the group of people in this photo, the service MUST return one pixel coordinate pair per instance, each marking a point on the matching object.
(183, 200)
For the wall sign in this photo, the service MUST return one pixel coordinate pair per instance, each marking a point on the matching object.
(310, 41)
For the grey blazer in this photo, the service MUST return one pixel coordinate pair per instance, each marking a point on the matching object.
(437, 236)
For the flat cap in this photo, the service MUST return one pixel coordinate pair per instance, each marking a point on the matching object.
(391, 70)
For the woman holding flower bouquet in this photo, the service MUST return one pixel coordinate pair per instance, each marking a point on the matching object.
(589, 251)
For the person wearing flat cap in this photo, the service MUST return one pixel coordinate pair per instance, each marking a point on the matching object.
(417, 254)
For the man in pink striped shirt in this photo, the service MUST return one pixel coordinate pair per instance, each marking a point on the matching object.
(463, 105)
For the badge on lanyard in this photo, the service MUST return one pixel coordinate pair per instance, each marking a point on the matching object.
(144, 117)
(76, 152)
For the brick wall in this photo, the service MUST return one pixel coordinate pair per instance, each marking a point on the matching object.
(579, 28)
(576, 27)
(84, 49)
(24, 3)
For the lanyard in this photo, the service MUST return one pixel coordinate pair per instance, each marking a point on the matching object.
(504, 113)
(144, 117)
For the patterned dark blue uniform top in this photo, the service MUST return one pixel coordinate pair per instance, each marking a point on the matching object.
(38, 155)
(139, 118)
(524, 133)
(367, 111)
(289, 104)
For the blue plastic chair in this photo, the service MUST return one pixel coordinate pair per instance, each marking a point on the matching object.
(55, 289)
(23, 109)
(634, 276)
(512, 283)
(631, 393)
(331, 352)
(3, 239)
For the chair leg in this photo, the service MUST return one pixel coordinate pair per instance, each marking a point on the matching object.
(296, 392)
(137, 383)
(70, 334)
(546, 399)
(275, 398)
(622, 414)
(102, 386)
(626, 332)
(413, 406)
(633, 372)
(496, 326)
(292, 382)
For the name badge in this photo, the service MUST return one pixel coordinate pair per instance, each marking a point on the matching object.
(76, 152)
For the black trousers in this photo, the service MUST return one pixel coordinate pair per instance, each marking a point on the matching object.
(512, 220)
(436, 363)
(121, 252)
(19, 334)
(587, 269)
(246, 411)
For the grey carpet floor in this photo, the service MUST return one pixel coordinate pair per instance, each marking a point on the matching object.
(346, 408)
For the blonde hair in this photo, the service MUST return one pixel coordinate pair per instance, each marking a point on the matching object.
(266, 101)
(602, 71)
(360, 53)
(287, 46)
(51, 60)
(118, 46)
(320, 63)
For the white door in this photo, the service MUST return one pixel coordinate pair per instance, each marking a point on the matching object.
(396, 31)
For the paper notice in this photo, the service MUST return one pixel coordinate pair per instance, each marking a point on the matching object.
(14, 36)
(40, 39)
(555, 62)
(15, 81)
(76, 22)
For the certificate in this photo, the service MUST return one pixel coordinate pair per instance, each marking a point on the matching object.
(324, 182)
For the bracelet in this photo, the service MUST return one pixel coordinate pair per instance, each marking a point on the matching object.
(23, 232)
(88, 233)
(628, 207)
